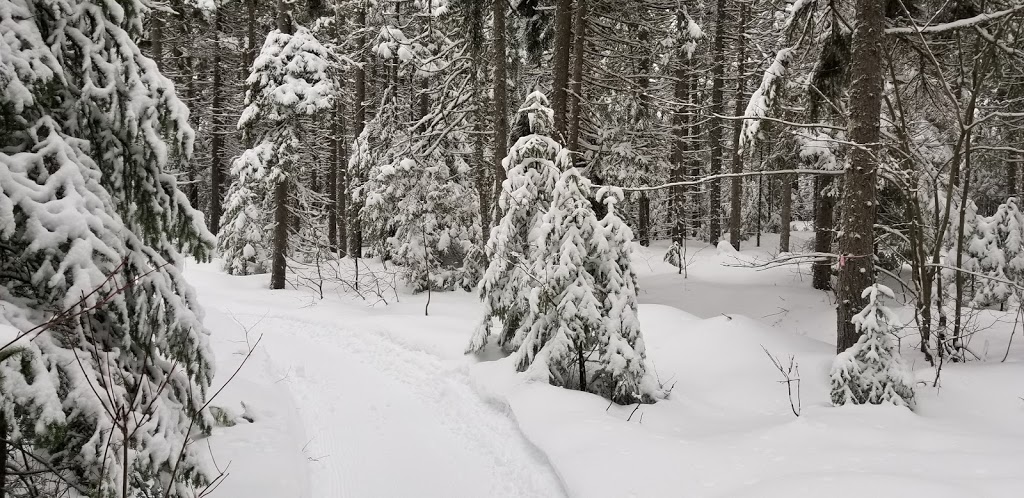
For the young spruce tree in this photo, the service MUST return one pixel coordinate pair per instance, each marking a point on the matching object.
(565, 320)
(870, 371)
(533, 166)
(288, 81)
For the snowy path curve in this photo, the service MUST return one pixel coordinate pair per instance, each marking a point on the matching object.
(385, 420)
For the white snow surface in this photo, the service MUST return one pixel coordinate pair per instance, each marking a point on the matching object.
(349, 399)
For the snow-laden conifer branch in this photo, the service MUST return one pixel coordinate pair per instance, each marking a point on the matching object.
(762, 100)
(954, 25)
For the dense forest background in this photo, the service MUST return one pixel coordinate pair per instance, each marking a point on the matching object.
(721, 120)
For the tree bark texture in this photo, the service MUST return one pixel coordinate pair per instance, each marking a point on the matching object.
(856, 244)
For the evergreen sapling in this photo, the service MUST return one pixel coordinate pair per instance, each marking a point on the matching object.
(871, 371)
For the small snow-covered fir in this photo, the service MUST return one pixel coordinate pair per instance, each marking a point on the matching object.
(871, 371)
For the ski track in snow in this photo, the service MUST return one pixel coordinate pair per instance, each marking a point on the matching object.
(386, 420)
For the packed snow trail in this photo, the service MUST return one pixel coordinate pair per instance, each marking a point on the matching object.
(381, 418)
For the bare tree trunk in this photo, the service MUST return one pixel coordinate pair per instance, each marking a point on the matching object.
(785, 211)
(824, 226)
(856, 244)
(500, 96)
(217, 179)
(481, 169)
(644, 228)
(278, 265)
(715, 133)
(355, 239)
(156, 38)
(959, 277)
(3, 454)
(342, 189)
(1011, 176)
(250, 34)
(560, 65)
(692, 130)
(643, 115)
(736, 203)
(336, 233)
(760, 203)
(185, 67)
(332, 182)
(679, 132)
(575, 109)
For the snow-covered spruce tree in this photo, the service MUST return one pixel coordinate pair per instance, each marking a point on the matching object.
(437, 223)
(422, 210)
(621, 352)
(532, 166)
(988, 259)
(582, 330)
(870, 371)
(1011, 235)
(244, 240)
(956, 255)
(101, 396)
(377, 155)
(289, 80)
(566, 320)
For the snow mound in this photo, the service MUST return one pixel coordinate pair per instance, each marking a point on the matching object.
(728, 428)
(725, 247)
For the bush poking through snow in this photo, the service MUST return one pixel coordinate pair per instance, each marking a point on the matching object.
(871, 372)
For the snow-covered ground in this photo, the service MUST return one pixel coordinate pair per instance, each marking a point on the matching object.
(349, 399)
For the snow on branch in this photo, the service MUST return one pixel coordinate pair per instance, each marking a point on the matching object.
(763, 98)
(954, 25)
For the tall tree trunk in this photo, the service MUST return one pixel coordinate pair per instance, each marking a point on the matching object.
(715, 133)
(3, 454)
(336, 233)
(278, 265)
(644, 229)
(856, 243)
(1011, 174)
(643, 118)
(156, 39)
(736, 204)
(355, 239)
(680, 140)
(560, 66)
(824, 226)
(692, 130)
(250, 35)
(500, 96)
(477, 20)
(332, 181)
(578, 56)
(959, 277)
(785, 211)
(343, 173)
(184, 64)
(217, 132)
